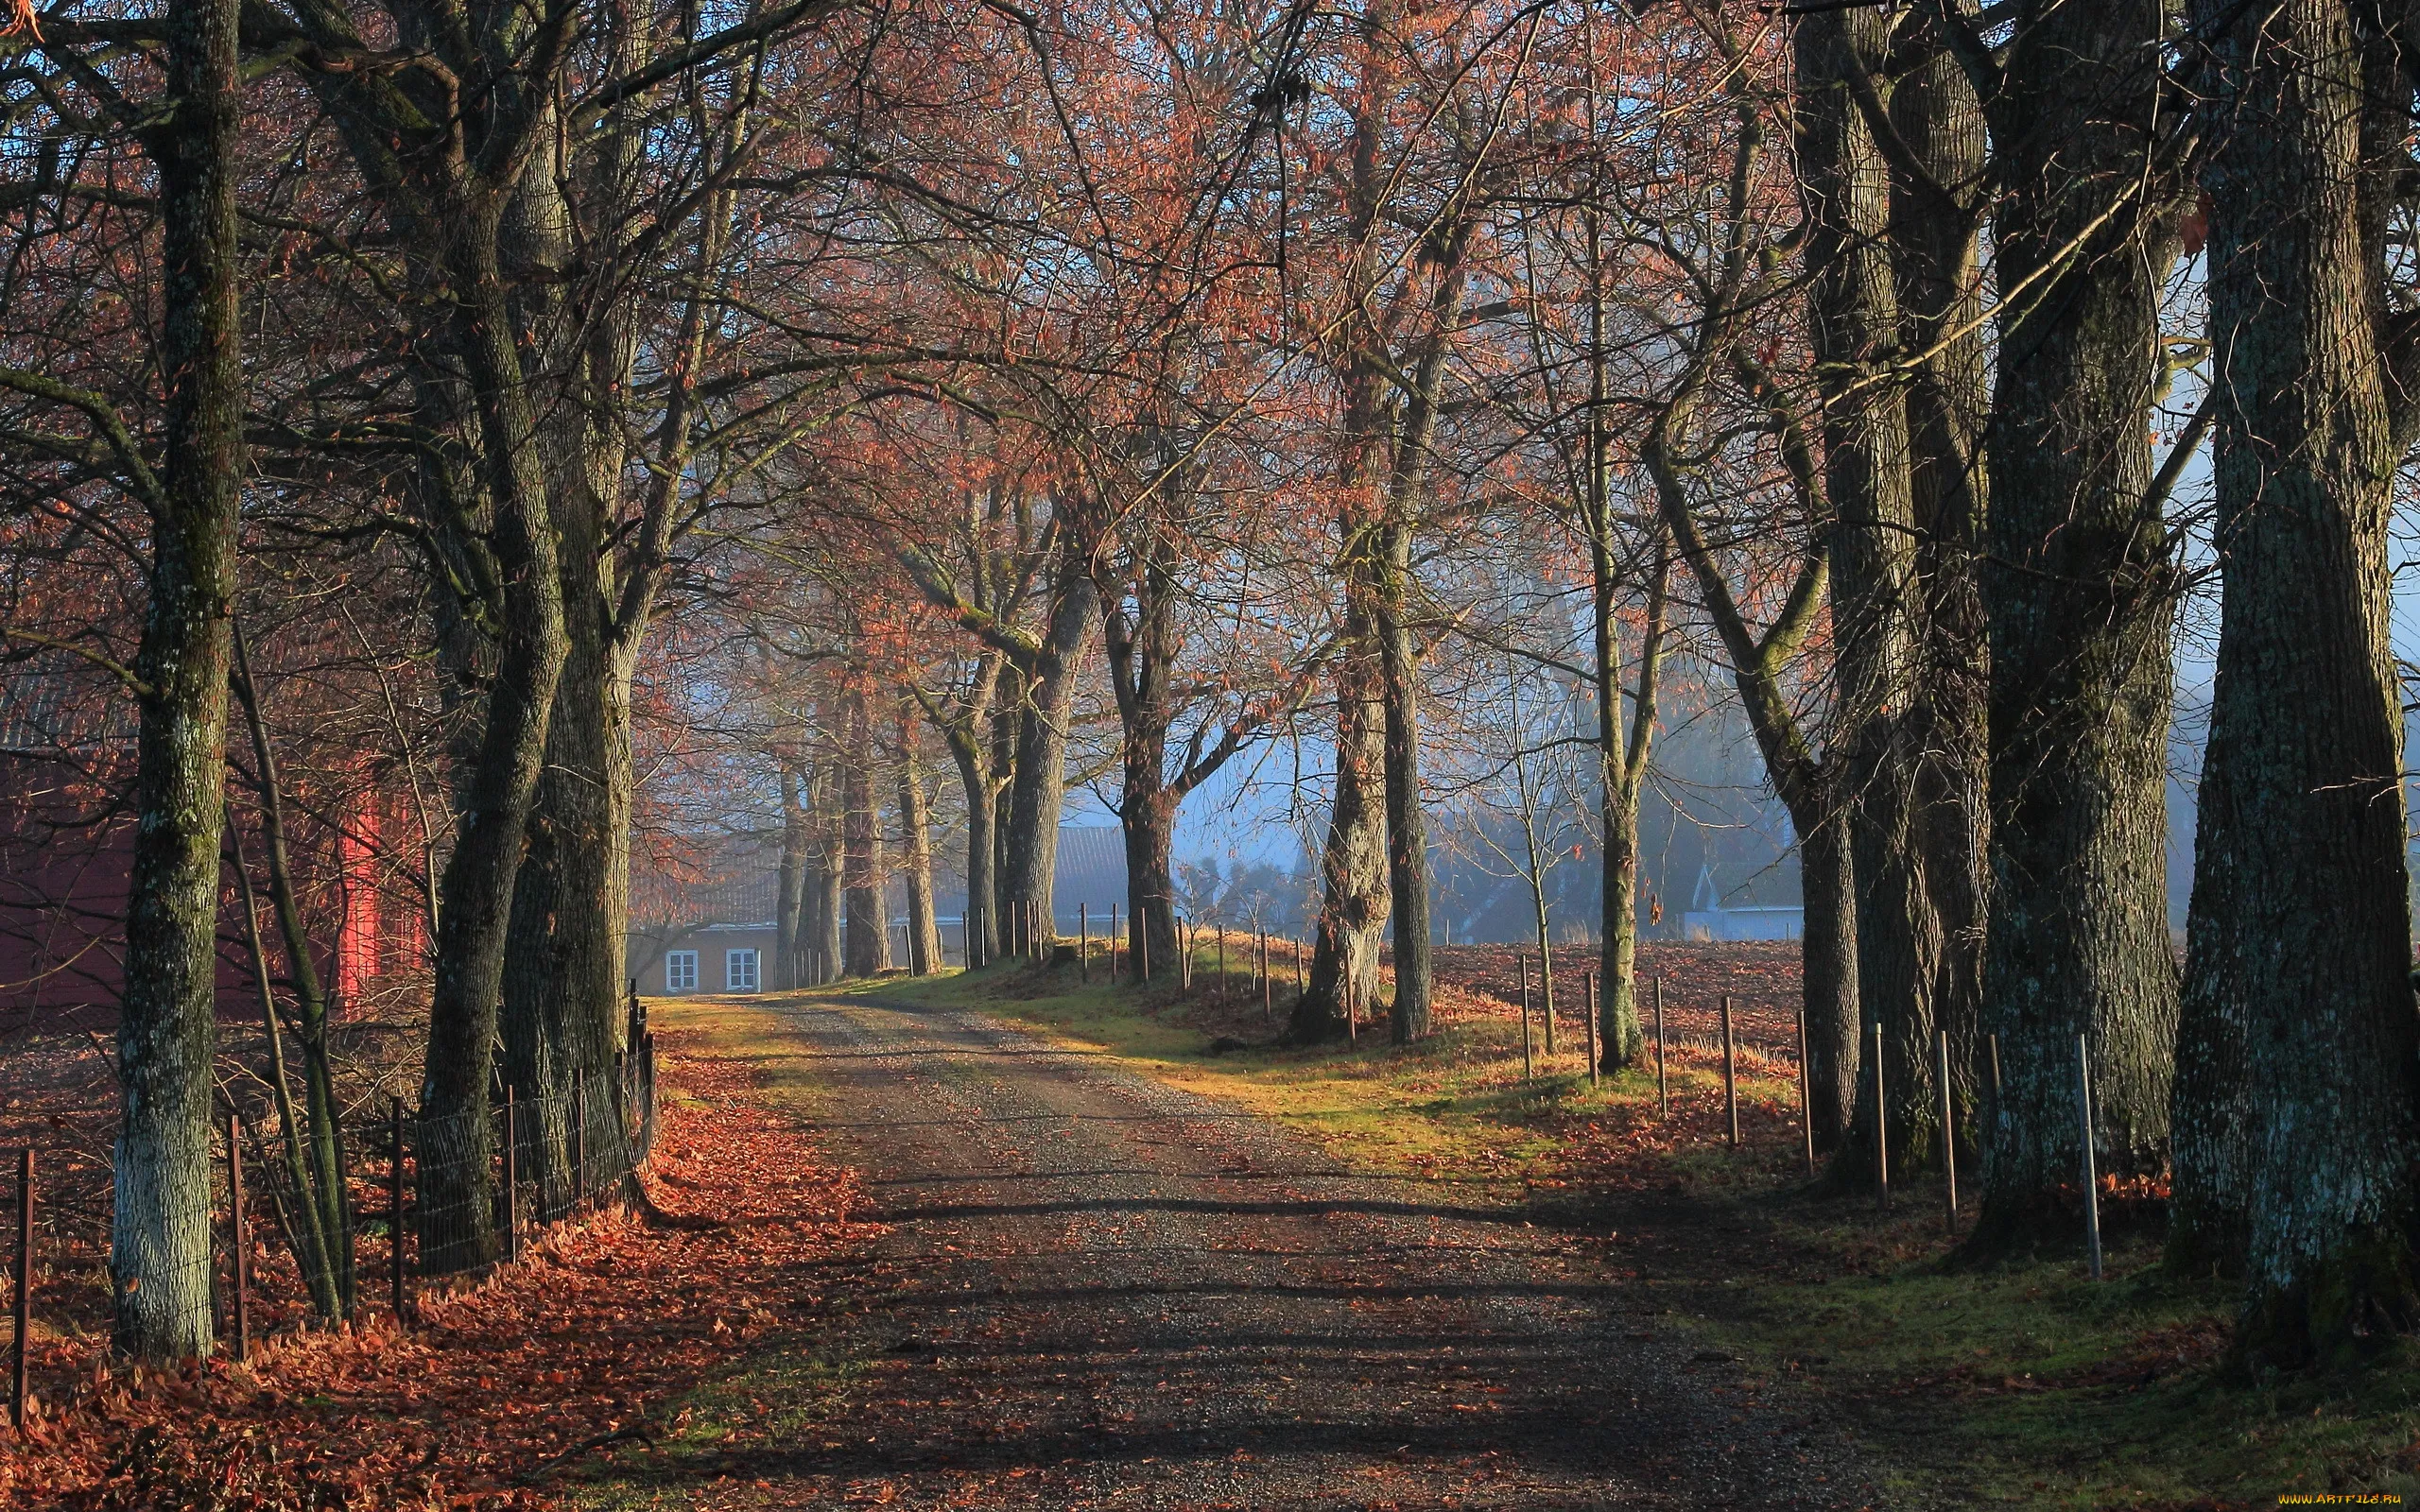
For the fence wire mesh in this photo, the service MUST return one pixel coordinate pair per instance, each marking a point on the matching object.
(472, 1188)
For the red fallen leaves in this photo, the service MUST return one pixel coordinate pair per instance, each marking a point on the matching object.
(504, 1383)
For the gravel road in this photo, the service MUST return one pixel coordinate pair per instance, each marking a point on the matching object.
(1107, 1293)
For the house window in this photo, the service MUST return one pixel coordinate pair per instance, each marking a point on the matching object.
(739, 970)
(679, 971)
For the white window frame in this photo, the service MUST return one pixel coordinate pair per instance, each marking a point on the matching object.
(734, 979)
(679, 971)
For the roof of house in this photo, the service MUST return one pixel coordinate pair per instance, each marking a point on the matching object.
(51, 712)
(1092, 868)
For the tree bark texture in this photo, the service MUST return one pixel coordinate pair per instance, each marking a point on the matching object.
(1354, 897)
(1934, 225)
(1407, 1015)
(1827, 988)
(1623, 746)
(789, 886)
(2076, 587)
(1853, 315)
(916, 842)
(2299, 1028)
(868, 947)
(1039, 786)
(160, 1237)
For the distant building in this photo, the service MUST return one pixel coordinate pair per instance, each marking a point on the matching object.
(713, 930)
(1715, 915)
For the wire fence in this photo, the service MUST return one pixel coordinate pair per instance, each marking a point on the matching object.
(417, 1198)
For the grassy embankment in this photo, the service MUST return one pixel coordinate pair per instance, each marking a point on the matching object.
(2024, 1385)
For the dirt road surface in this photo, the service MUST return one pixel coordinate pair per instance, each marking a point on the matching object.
(1107, 1293)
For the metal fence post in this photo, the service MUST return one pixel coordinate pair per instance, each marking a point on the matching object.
(580, 1137)
(1528, 1064)
(1588, 1004)
(1949, 1135)
(512, 1177)
(1662, 1083)
(1881, 1131)
(25, 1285)
(1546, 999)
(237, 1240)
(1084, 945)
(1730, 1074)
(395, 1206)
(2091, 1169)
(1805, 1100)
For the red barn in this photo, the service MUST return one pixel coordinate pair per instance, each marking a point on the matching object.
(66, 846)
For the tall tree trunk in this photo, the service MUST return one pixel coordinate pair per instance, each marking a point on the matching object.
(1039, 786)
(1854, 317)
(1354, 897)
(1147, 805)
(789, 886)
(2078, 589)
(1147, 823)
(823, 871)
(2300, 937)
(980, 934)
(160, 1248)
(1827, 984)
(1622, 747)
(563, 971)
(1407, 1018)
(457, 1137)
(1143, 646)
(868, 947)
(1008, 728)
(1934, 227)
(916, 842)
